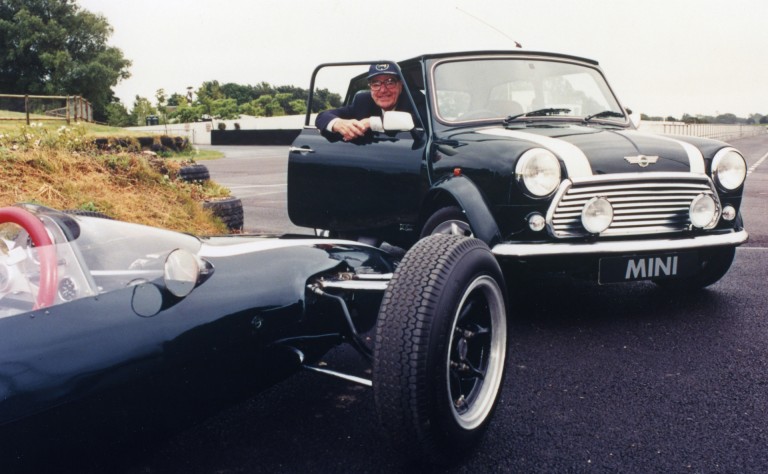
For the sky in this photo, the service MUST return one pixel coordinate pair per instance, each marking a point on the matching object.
(662, 57)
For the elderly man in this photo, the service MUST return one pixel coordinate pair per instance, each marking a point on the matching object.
(366, 109)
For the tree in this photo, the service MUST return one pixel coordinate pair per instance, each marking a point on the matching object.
(298, 106)
(241, 93)
(726, 119)
(177, 99)
(142, 107)
(228, 101)
(118, 116)
(210, 90)
(162, 105)
(54, 47)
(224, 109)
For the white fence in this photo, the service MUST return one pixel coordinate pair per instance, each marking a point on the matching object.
(200, 133)
(705, 130)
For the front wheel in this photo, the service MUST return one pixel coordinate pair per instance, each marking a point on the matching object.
(441, 344)
(447, 220)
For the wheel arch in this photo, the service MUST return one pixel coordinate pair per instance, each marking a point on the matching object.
(462, 192)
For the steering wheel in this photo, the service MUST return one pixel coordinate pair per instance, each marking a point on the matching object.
(46, 251)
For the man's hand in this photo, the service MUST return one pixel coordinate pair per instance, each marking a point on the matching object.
(351, 129)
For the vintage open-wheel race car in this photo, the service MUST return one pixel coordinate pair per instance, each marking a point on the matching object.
(108, 328)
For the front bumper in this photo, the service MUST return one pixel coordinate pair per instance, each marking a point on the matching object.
(564, 249)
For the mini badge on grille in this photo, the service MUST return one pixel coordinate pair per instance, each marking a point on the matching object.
(641, 160)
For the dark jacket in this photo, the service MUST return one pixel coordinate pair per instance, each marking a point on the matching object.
(362, 107)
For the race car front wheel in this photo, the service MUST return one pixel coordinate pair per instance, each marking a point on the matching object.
(441, 343)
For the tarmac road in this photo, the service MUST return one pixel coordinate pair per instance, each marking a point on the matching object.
(600, 378)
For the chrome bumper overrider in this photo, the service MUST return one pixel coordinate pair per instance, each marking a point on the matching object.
(618, 247)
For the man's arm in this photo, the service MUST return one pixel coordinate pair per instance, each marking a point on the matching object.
(350, 121)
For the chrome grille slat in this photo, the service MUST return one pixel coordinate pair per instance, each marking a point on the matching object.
(643, 203)
(622, 187)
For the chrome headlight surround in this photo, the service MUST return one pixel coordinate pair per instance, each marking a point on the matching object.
(704, 212)
(729, 169)
(538, 172)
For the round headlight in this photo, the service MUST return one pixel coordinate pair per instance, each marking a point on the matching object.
(729, 169)
(704, 212)
(539, 172)
(597, 215)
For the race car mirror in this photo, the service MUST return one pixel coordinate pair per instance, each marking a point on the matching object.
(182, 270)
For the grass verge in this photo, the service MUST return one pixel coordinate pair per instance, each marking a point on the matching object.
(62, 169)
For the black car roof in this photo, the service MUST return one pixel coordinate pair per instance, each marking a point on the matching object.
(512, 52)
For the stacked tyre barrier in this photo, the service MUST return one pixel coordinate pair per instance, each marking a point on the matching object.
(228, 209)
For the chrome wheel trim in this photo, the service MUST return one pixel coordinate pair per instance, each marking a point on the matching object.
(453, 227)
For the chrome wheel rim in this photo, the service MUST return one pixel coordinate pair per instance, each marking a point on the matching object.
(476, 353)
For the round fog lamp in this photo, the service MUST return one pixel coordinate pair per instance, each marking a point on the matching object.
(729, 213)
(536, 222)
(703, 211)
(597, 215)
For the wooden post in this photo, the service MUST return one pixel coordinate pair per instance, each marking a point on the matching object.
(26, 107)
(67, 110)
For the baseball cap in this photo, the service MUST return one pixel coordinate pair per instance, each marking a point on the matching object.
(381, 68)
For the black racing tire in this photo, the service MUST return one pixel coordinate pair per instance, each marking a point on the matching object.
(714, 265)
(441, 345)
(229, 210)
(447, 220)
(193, 173)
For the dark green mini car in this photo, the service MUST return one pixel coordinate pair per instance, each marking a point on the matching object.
(533, 154)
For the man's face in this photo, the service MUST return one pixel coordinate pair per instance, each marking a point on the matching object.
(384, 92)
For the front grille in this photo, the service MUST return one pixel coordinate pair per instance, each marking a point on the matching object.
(643, 203)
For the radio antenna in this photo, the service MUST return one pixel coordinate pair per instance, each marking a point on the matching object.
(517, 45)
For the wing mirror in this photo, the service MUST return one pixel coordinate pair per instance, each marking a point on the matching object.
(398, 121)
(633, 117)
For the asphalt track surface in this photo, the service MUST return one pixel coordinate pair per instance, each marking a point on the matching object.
(600, 379)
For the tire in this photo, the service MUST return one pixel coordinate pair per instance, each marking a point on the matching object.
(714, 265)
(192, 173)
(229, 210)
(428, 400)
(447, 220)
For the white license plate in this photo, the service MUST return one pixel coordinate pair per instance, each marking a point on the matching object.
(647, 267)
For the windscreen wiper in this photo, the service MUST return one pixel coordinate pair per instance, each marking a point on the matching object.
(604, 113)
(537, 113)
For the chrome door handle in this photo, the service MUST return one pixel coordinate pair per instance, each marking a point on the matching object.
(300, 150)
